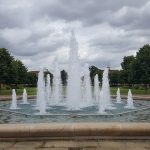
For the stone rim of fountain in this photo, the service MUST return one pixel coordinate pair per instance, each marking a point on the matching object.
(74, 130)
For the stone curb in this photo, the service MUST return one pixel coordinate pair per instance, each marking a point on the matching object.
(7, 98)
(135, 97)
(73, 130)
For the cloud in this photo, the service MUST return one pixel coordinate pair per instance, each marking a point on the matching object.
(15, 35)
(38, 31)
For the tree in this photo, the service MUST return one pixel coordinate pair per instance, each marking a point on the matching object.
(11, 71)
(64, 77)
(18, 73)
(93, 71)
(13, 76)
(32, 78)
(51, 75)
(142, 66)
(127, 74)
(114, 76)
(136, 70)
(5, 66)
(21, 71)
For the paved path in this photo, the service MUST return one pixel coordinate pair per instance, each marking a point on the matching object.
(77, 145)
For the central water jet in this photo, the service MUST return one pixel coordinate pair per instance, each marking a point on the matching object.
(74, 76)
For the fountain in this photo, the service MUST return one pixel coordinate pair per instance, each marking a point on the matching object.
(102, 105)
(41, 102)
(87, 93)
(25, 97)
(118, 96)
(48, 89)
(79, 91)
(96, 89)
(56, 86)
(79, 97)
(105, 99)
(107, 104)
(74, 99)
(130, 104)
(14, 100)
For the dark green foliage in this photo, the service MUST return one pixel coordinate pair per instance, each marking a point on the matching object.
(136, 70)
(32, 79)
(51, 75)
(127, 67)
(93, 71)
(64, 76)
(142, 65)
(11, 71)
(13, 76)
(5, 66)
(114, 76)
(21, 71)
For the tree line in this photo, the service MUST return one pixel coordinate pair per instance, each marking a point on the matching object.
(135, 70)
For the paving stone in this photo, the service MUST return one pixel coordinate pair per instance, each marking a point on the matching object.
(90, 148)
(36, 144)
(80, 144)
(87, 143)
(112, 145)
(60, 143)
(20, 148)
(75, 148)
(71, 144)
(52, 149)
(138, 144)
(6, 144)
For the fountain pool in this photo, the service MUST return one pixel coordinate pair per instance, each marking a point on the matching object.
(28, 114)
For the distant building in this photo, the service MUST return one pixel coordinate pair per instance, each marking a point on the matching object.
(35, 72)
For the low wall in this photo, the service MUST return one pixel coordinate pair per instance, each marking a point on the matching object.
(75, 130)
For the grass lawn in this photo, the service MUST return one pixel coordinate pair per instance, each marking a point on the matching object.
(123, 90)
(30, 91)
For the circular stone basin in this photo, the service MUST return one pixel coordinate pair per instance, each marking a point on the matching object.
(29, 114)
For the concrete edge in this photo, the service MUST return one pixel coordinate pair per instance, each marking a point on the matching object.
(19, 97)
(74, 130)
(135, 97)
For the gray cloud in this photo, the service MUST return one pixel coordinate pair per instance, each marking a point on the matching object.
(38, 31)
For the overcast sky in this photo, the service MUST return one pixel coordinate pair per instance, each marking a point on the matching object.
(38, 31)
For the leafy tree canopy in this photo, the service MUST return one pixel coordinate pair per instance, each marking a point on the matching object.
(11, 71)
